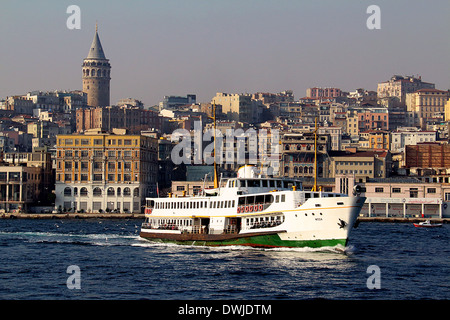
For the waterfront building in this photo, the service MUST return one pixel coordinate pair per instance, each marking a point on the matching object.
(407, 197)
(26, 180)
(96, 75)
(105, 171)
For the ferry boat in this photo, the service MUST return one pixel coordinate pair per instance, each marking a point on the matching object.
(253, 211)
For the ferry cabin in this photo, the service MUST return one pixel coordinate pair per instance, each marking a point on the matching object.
(241, 205)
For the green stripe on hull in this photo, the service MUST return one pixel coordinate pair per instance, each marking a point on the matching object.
(264, 241)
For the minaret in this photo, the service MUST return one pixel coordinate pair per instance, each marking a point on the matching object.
(96, 75)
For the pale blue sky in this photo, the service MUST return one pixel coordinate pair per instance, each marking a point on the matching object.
(176, 47)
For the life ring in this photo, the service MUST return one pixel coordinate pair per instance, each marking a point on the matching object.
(250, 209)
(261, 207)
(246, 208)
(238, 209)
(255, 208)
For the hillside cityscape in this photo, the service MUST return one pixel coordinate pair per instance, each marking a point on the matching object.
(77, 151)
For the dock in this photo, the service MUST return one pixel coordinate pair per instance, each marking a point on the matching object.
(72, 216)
(402, 220)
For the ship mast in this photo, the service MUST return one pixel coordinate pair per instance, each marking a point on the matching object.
(216, 180)
(315, 157)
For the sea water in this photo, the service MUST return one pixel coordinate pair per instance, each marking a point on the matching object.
(113, 262)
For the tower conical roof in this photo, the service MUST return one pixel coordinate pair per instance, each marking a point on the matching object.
(96, 51)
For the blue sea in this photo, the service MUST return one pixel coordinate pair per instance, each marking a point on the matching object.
(105, 259)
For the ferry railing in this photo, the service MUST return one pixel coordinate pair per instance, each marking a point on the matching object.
(195, 229)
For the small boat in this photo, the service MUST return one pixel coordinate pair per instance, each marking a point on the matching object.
(427, 224)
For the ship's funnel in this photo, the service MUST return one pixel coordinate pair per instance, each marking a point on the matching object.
(247, 172)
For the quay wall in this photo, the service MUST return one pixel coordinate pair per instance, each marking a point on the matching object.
(72, 216)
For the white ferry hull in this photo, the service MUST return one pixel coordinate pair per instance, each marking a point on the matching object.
(319, 222)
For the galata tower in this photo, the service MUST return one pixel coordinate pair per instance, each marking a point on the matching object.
(96, 75)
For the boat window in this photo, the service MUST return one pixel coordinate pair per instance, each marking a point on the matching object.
(268, 198)
(264, 184)
(243, 183)
(316, 195)
(206, 204)
(340, 203)
(307, 195)
(253, 183)
(259, 199)
(241, 201)
(279, 184)
(221, 204)
(283, 198)
(251, 200)
(226, 204)
(290, 184)
(272, 183)
(232, 203)
(277, 198)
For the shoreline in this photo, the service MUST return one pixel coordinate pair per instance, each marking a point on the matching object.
(402, 220)
(142, 216)
(72, 216)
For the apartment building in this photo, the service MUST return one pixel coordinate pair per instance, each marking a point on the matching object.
(132, 118)
(297, 154)
(105, 171)
(239, 107)
(399, 86)
(404, 136)
(323, 92)
(425, 104)
(375, 139)
(362, 165)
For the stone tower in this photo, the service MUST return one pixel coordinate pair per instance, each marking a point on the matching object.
(96, 75)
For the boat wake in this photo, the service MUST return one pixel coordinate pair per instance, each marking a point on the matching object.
(100, 239)
(338, 249)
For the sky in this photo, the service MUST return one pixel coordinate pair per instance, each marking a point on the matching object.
(178, 47)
